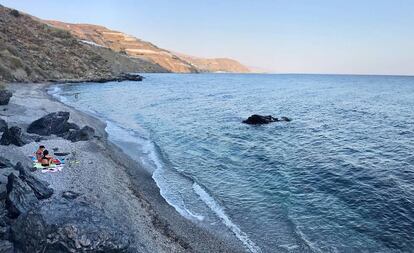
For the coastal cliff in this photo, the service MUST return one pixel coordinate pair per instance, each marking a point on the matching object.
(140, 49)
(215, 64)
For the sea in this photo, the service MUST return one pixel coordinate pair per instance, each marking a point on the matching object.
(339, 177)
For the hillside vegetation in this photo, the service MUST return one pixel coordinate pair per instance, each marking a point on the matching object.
(32, 51)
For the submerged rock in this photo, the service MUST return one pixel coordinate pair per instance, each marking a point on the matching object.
(40, 188)
(256, 119)
(5, 96)
(14, 136)
(20, 197)
(259, 119)
(68, 226)
(84, 134)
(53, 123)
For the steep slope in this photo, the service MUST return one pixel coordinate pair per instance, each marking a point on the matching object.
(135, 47)
(215, 64)
(31, 51)
(124, 43)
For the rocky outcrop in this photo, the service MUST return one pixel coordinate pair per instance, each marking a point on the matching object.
(84, 134)
(57, 123)
(256, 119)
(40, 188)
(5, 96)
(14, 136)
(68, 226)
(118, 78)
(53, 123)
(3, 125)
(20, 197)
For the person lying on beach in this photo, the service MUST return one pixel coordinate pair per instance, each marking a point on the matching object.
(46, 160)
(39, 153)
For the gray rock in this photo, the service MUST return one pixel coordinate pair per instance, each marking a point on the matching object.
(14, 136)
(20, 197)
(5, 96)
(84, 134)
(40, 188)
(3, 125)
(4, 163)
(53, 123)
(68, 226)
(6, 247)
(70, 195)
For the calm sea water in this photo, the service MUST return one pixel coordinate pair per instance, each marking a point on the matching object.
(338, 178)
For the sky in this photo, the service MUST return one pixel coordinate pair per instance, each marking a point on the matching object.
(290, 36)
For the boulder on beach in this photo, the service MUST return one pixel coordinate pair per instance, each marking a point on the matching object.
(68, 226)
(53, 123)
(3, 125)
(84, 134)
(256, 119)
(40, 188)
(13, 135)
(5, 96)
(20, 197)
(6, 247)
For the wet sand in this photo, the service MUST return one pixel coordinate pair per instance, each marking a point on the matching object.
(110, 180)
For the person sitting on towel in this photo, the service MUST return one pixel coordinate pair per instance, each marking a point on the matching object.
(47, 160)
(39, 153)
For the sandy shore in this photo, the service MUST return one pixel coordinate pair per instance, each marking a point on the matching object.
(110, 180)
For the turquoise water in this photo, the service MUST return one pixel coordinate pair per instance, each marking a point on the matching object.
(338, 178)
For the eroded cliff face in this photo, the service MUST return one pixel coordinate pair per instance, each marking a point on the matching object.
(127, 44)
(215, 64)
(140, 49)
(31, 51)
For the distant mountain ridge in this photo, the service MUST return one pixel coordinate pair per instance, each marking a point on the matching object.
(137, 48)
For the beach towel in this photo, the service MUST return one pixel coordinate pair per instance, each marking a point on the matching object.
(54, 169)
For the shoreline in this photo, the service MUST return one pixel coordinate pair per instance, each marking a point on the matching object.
(165, 229)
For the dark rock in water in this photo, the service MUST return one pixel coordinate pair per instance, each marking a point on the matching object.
(68, 226)
(84, 134)
(285, 119)
(53, 123)
(20, 197)
(40, 188)
(5, 96)
(259, 119)
(70, 195)
(6, 247)
(119, 78)
(130, 77)
(3, 125)
(14, 136)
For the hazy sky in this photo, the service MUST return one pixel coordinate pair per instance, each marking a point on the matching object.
(302, 36)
